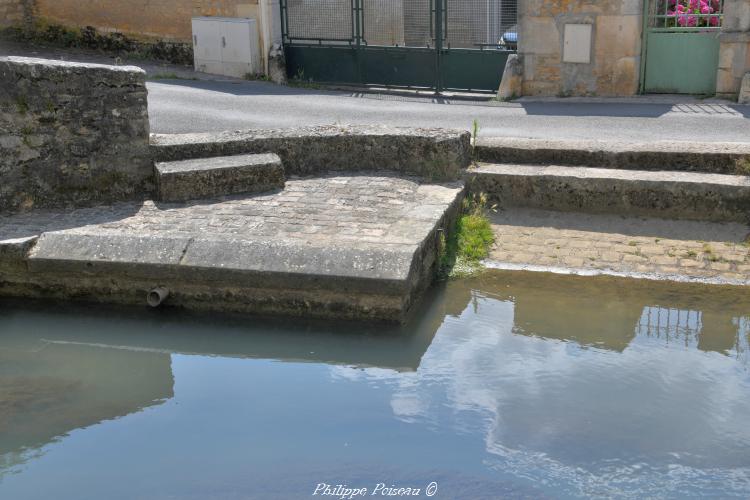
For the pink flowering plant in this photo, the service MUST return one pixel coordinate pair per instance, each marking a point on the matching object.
(692, 13)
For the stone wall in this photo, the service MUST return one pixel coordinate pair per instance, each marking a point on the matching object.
(433, 154)
(167, 19)
(72, 134)
(615, 47)
(734, 51)
(11, 12)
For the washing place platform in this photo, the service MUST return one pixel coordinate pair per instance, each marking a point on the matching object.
(334, 222)
(344, 245)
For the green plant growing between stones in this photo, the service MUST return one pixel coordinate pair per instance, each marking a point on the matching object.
(300, 81)
(22, 104)
(474, 135)
(742, 166)
(470, 241)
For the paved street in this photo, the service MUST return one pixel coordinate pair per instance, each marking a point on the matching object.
(196, 106)
(196, 102)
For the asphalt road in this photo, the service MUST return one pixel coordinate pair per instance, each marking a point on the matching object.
(200, 106)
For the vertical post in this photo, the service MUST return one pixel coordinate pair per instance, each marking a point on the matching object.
(357, 6)
(644, 47)
(438, 45)
(284, 20)
(358, 29)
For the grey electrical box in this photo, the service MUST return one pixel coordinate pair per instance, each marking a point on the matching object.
(226, 46)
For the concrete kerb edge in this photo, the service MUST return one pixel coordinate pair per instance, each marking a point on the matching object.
(721, 158)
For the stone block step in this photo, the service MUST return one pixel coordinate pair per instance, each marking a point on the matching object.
(665, 194)
(719, 158)
(218, 176)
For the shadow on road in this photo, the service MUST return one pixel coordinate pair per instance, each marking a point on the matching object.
(246, 88)
(628, 110)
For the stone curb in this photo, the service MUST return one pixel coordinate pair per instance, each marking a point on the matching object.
(433, 154)
(720, 158)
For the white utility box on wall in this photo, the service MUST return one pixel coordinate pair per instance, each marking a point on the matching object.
(226, 46)
(577, 43)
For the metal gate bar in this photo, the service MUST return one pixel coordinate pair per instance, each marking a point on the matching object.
(437, 44)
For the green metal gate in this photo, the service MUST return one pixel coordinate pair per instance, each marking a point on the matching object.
(432, 44)
(681, 46)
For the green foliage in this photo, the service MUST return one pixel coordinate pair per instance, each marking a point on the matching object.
(743, 166)
(474, 237)
(300, 81)
(112, 43)
(469, 242)
(22, 104)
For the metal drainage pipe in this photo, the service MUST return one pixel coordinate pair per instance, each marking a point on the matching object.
(157, 296)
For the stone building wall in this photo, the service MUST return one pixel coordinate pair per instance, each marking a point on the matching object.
(615, 47)
(167, 20)
(72, 134)
(734, 50)
(11, 12)
(163, 19)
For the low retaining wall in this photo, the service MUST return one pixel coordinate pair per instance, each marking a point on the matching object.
(432, 154)
(72, 134)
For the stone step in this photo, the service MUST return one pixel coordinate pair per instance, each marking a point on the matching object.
(664, 194)
(430, 153)
(218, 176)
(719, 158)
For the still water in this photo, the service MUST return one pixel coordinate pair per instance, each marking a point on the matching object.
(510, 385)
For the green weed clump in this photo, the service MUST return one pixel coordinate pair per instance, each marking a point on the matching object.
(470, 241)
(742, 166)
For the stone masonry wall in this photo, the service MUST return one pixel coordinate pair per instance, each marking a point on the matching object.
(72, 134)
(11, 12)
(163, 19)
(734, 51)
(615, 52)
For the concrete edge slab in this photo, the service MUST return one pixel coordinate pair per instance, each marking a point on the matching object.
(688, 178)
(724, 158)
(260, 264)
(217, 163)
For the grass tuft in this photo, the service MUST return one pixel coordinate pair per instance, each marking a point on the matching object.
(470, 241)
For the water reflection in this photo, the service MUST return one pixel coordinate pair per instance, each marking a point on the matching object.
(537, 385)
(47, 390)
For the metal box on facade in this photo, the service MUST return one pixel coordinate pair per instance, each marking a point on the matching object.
(226, 46)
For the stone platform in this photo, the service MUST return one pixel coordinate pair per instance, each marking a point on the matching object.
(344, 246)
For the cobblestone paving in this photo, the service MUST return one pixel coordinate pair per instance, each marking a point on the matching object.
(545, 240)
(329, 210)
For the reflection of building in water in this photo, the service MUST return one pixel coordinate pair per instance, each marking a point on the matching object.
(81, 367)
(670, 326)
(610, 314)
(742, 344)
(48, 392)
(513, 358)
(707, 331)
